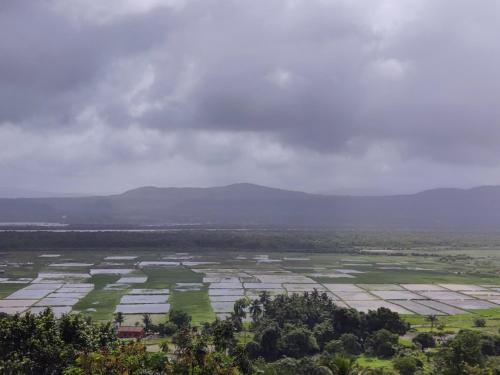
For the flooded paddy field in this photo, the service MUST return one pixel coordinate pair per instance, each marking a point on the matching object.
(99, 283)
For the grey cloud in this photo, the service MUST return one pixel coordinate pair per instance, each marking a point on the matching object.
(51, 65)
(273, 92)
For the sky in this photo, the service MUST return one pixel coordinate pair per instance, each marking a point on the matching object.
(338, 96)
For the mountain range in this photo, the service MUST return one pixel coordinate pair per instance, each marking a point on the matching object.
(250, 205)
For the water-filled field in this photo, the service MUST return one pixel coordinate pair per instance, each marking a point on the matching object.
(100, 283)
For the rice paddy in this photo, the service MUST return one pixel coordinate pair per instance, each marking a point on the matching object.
(206, 285)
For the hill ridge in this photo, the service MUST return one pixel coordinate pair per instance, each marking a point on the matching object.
(247, 204)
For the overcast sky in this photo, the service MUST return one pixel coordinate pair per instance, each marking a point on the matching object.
(346, 96)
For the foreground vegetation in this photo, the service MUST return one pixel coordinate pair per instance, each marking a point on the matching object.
(299, 334)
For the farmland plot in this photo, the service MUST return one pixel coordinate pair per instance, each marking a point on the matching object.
(445, 296)
(148, 308)
(365, 306)
(147, 298)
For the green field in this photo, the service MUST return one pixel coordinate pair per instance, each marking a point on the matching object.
(425, 265)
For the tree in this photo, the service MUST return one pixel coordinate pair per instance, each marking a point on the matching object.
(298, 342)
(239, 313)
(223, 335)
(239, 308)
(407, 365)
(343, 365)
(346, 321)
(264, 297)
(334, 347)
(164, 346)
(432, 319)
(40, 344)
(167, 329)
(459, 353)
(382, 343)
(147, 321)
(127, 358)
(255, 310)
(179, 318)
(425, 340)
(269, 342)
(384, 318)
(253, 349)
(350, 344)
(324, 333)
(291, 366)
(119, 318)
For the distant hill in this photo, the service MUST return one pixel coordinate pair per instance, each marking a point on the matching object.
(253, 205)
(9, 192)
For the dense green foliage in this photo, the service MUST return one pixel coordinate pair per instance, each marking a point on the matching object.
(299, 334)
(40, 344)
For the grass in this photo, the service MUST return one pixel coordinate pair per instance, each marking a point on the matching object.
(374, 362)
(454, 323)
(132, 319)
(195, 303)
(106, 299)
(374, 276)
(166, 277)
(6, 289)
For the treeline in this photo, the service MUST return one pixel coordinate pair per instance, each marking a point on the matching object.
(264, 240)
(174, 240)
(288, 335)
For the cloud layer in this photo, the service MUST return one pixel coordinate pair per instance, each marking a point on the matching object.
(367, 96)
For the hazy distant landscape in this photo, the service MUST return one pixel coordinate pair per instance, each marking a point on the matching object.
(249, 205)
(249, 187)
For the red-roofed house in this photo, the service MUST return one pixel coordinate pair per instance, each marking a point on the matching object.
(128, 332)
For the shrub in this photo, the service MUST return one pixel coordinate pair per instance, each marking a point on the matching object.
(167, 329)
(406, 365)
(425, 340)
(480, 322)
(253, 349)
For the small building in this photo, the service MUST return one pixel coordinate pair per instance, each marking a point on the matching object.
(128, 332)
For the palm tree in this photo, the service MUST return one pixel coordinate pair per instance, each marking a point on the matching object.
(147, 321)
(343, 365)
(255, 309)
(239, 308)
(433, 319)
(119, 318)
(264, 297)
(164, 347)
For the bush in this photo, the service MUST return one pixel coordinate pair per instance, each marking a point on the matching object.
(480, 322)
(167, 329)
(407, 365)
(290, 366)
(253, 349)
(425, 340)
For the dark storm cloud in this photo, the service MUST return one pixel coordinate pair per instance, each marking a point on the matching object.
(51, 64)
(373, 92)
